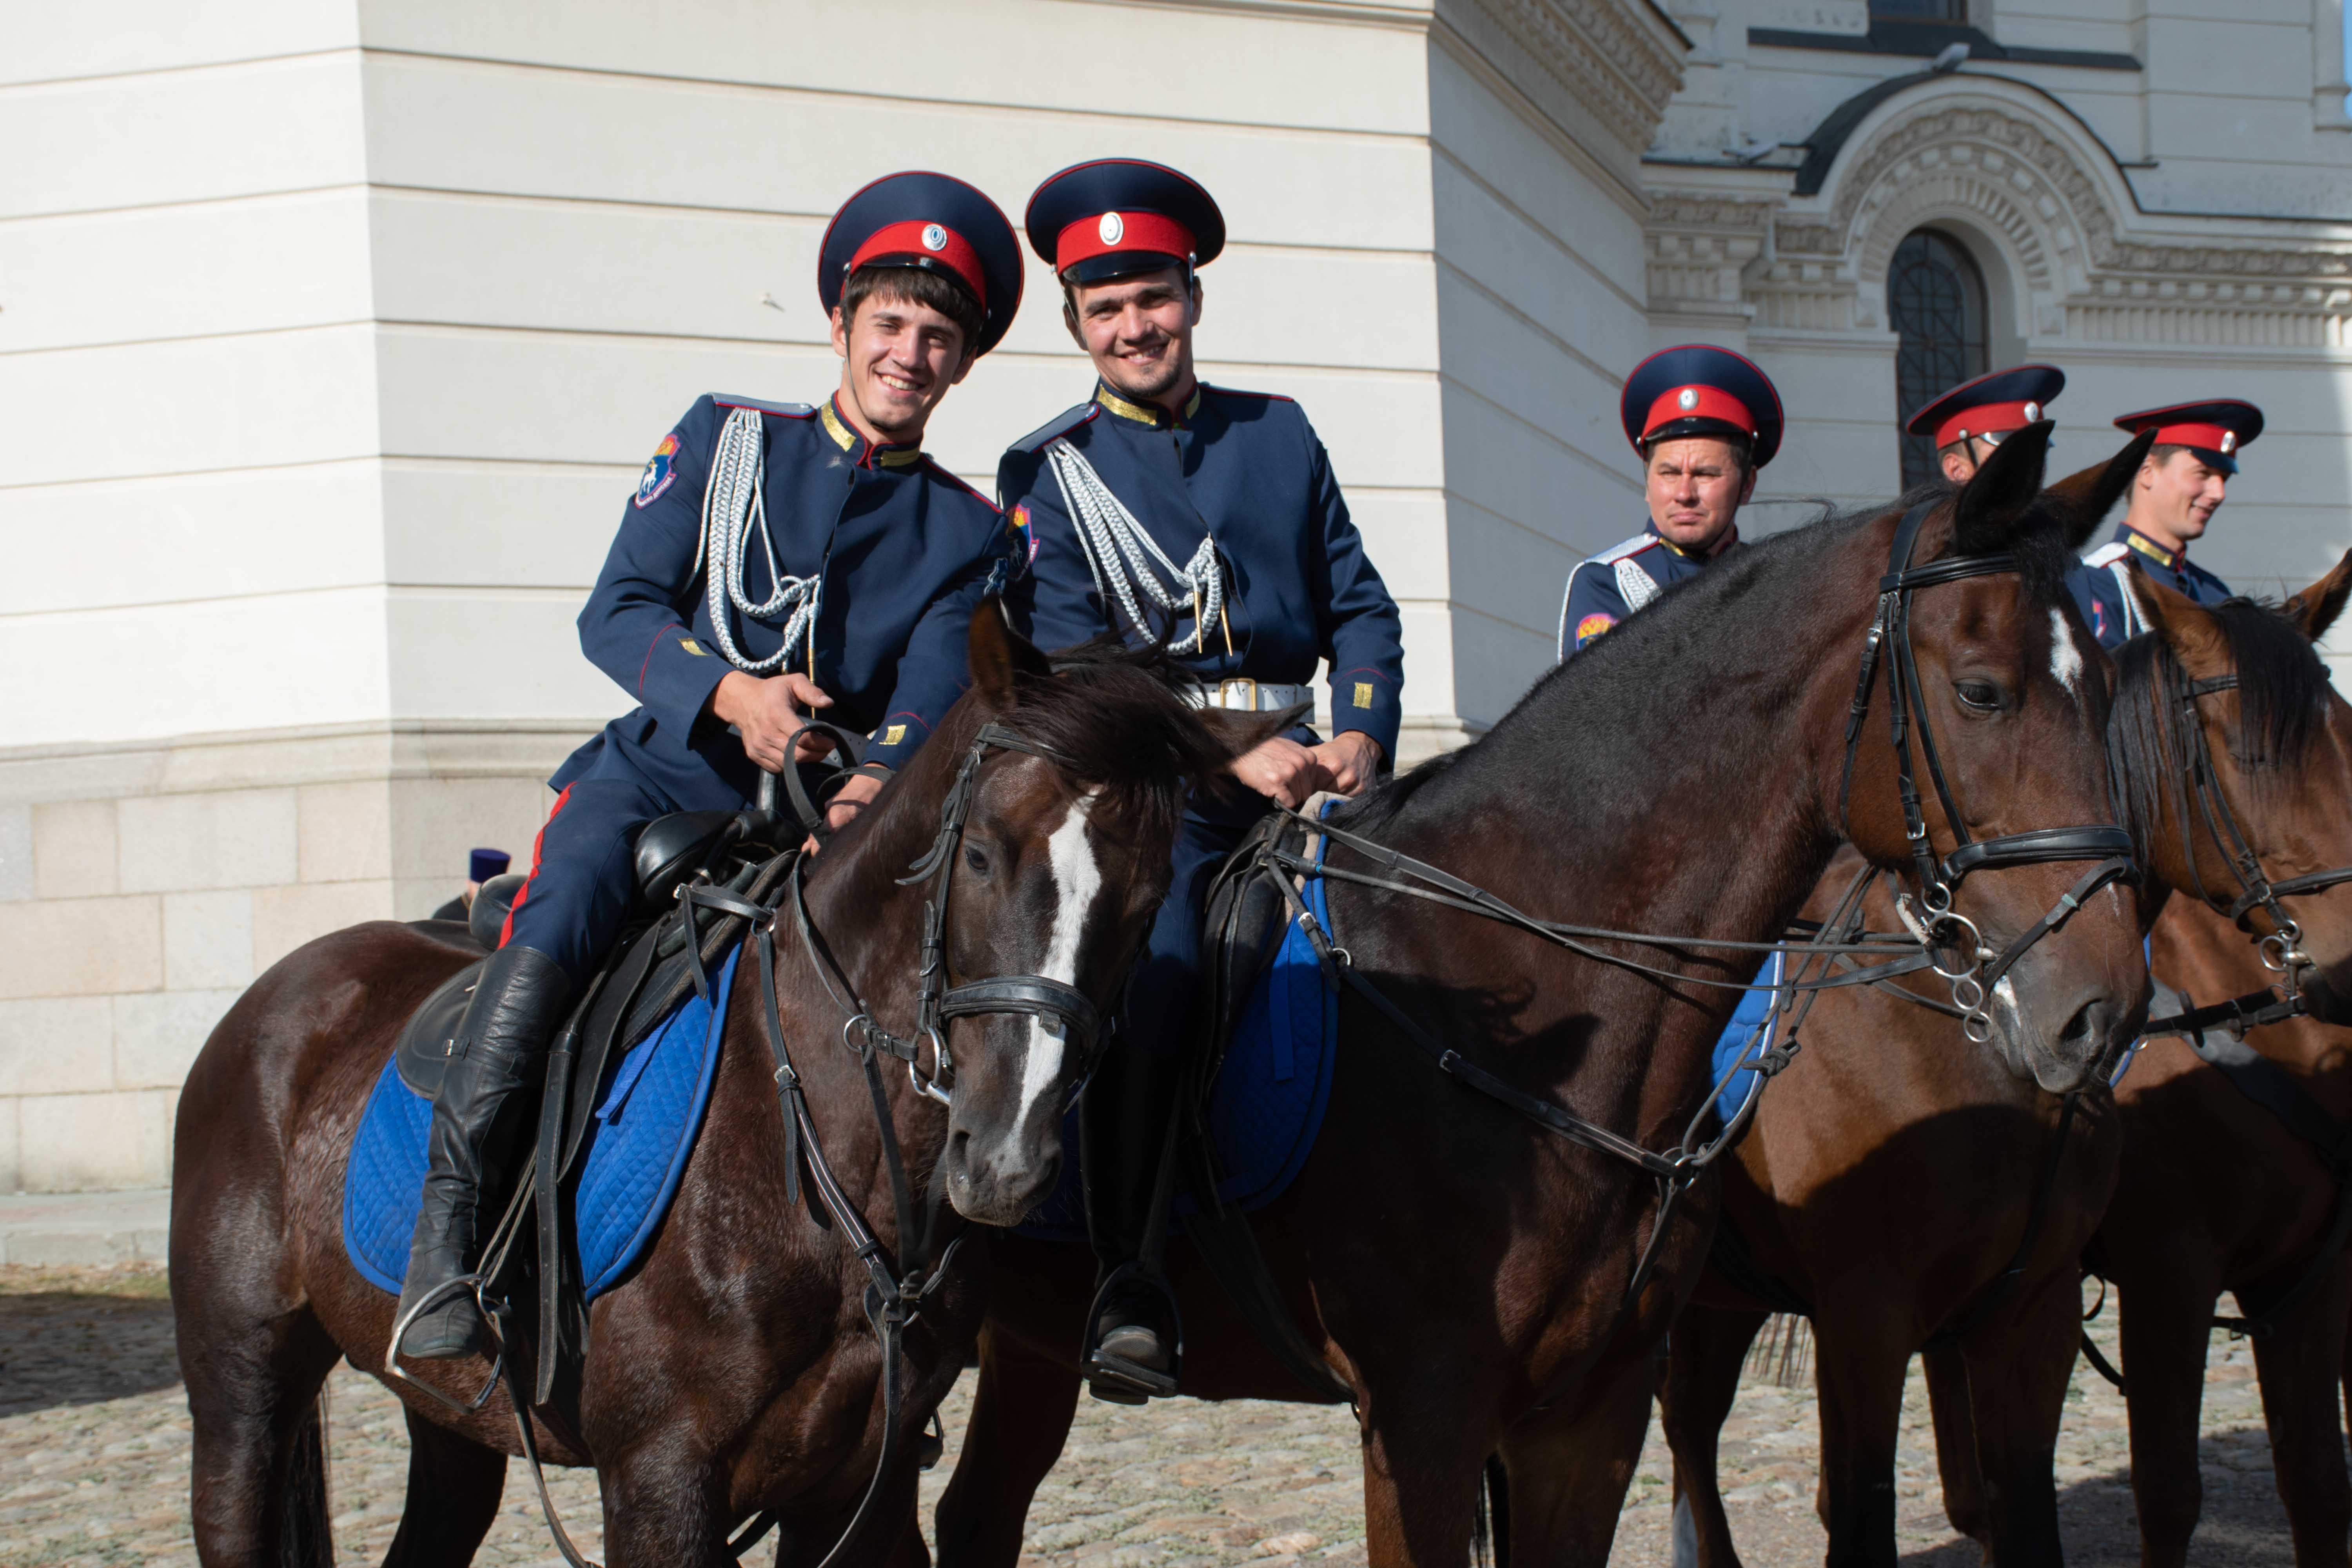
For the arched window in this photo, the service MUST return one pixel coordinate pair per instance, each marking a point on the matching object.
(1936, 301)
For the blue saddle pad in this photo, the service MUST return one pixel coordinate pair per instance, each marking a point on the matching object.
(647, 1117)
(1740, 1040)
(1268, 1100)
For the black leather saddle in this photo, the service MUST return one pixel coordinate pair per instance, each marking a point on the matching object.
(670, 851)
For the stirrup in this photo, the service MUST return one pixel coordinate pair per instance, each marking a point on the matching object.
(1114, 1379)
(401, 1321)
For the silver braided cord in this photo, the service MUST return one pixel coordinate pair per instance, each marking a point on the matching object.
(734, 503)
(1122, 556)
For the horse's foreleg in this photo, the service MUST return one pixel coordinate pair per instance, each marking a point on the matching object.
(1427, 1432)
(2164, 1316)
(1021, 1414)
(2019, 1366)
(1569, 1467)
(1956, 1443)
(453, 1486)
(1695, 1389)
(2300, 1365)
(1860, 1340)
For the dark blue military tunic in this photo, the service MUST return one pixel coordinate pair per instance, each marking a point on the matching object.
(905, 551)
(1604, 589)
(1246, 469)
(2098, 584)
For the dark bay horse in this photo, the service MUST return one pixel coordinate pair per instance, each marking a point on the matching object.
(735, 1374)
(1910, 1191)
(2217, 1193)
(1466, 1273)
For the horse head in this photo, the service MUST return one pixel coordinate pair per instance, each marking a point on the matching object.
(2004, 709)
(2236, 752)
(1061, 861)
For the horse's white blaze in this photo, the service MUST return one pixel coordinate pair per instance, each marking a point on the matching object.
(1076, 880)
(2065, 658)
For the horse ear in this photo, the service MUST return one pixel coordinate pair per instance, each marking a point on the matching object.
(999, 656)
(1994, 501)
(2090, 495)
(2192, 631)
(2315, 608)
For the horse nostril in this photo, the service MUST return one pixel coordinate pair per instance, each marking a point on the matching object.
(958, 1157)
(2085, 1034)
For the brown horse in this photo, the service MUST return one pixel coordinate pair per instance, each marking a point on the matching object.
(1843, 1203)
(2218, 1193)
(1465, 1272)
(734, 1374)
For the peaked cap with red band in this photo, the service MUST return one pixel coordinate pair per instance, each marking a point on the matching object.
(1115, 216)
(935, 224)
(2214, 431)
(1697, 389)
(1991, 406)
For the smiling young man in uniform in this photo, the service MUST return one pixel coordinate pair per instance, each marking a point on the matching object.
(1704, 420)
(778, 562)
(2174, 496)
(1163, 510)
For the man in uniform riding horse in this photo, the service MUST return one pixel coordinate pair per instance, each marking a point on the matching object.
(1974, 416)
(2173, 500)
(1704, 420)
(1164, 510)
(778, 562)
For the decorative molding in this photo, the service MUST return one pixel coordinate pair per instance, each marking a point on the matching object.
(1616, 60)
(1698, 247)
(2084, 264)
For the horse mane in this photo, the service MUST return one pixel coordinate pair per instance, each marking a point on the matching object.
(1690, 626)
(2282, 704)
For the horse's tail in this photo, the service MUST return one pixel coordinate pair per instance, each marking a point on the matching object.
(304, 1537)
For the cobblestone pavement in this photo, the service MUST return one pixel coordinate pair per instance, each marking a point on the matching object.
(94, 1455)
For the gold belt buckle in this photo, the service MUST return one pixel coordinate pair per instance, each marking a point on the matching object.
(1226, 688)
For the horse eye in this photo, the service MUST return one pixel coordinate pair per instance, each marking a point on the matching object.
(1980, 695)
(975, 859)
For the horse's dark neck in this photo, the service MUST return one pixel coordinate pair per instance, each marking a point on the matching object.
(1674, 778)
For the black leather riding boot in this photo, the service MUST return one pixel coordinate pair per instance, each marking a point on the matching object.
(502, 1042)
(1125, 1119)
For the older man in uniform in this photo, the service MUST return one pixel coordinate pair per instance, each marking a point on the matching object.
(1974, 416)
(1704, 420)
(1164, 510)
(777, 561)
(2173, 499)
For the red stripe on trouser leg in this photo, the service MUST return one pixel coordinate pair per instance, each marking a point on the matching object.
(506, 930)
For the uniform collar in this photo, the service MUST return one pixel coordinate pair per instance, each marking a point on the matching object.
(2172, 560)
(846, 437)
(1730, 538)
(1159, 418)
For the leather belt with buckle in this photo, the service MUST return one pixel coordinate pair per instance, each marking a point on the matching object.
(1249, 696)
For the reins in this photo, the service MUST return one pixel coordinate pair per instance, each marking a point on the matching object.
(896, 1289)
(1935, 925)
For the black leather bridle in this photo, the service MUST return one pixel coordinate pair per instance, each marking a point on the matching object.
(2281, 949)
(1934, 922)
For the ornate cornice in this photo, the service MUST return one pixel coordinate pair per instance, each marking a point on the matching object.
(2083, 262)
(1617, 59)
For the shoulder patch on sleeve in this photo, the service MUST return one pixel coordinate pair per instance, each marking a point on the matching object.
(661, 469)
(932, 468)
(2107, 554)
(1062, 424)
(1592, 626)
(1626, 547)
(783, 410)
